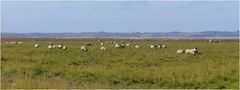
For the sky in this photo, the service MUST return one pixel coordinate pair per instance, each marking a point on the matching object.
(118, 16)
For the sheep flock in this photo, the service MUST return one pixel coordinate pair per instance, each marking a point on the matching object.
(117, 44)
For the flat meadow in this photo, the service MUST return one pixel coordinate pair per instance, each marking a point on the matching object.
(216, 66)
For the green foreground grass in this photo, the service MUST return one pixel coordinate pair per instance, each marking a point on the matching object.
(22, 66)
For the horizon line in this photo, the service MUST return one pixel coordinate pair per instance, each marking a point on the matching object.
(123, 32)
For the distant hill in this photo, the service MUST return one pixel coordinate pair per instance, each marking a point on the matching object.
(205, 34)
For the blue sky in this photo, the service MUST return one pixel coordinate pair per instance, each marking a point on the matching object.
(119, 16)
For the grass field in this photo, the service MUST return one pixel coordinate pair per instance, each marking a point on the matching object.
(216, 65)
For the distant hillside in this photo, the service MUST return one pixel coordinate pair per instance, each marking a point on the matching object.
(206, 34)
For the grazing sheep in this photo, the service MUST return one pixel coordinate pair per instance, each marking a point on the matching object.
(13, 42)
(119, 45)
(152, 46)
(180, 51)
(36, 45)
(194, 51)
(84, 48)
(137, 46)
(50, 46)
(64, 47)
(55, 46)
(191, 51)
(159, 46)
(212, 40)
(164, 46)
(20, 42)
(101, 44)
(103, 48)
(60, 46)
(122, 46)
(127, 44)
(187, 51)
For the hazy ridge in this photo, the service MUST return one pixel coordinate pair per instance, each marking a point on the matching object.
(205, 34)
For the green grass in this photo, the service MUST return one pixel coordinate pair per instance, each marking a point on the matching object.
(216, 66)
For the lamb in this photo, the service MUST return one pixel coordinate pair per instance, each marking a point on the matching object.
(84, 48)
(103, 48)
(36, 45)
(180, 51)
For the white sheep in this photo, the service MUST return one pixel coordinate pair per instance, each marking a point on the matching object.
(103, 48)
(50, 46)
(101, 44)
(36, 45)
(191, 51)
(137, 46)
(13, 42)
(127, 44)
(20, 42)
(54, 46)
(187, 51)
(84, 48)
(117, 45)
(64, 47)
(152, 46)
(180, 51)
(60, 46)
(158, 46)
(164, 46)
